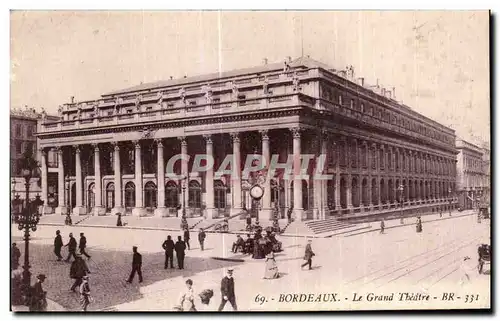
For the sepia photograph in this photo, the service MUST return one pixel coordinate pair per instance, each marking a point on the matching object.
(249, 161)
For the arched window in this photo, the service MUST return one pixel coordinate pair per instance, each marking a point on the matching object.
(383, 195)
(171, 195)
(91, 196)
(129, 195)
(364, 194)
(355, 192)
(374, 192)
(219, 194)
(194, 197)
(110, 196)
(330, 195)
(343, 193)
(150, 195)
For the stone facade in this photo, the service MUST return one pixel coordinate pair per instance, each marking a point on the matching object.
(473, 177)
(102, 156)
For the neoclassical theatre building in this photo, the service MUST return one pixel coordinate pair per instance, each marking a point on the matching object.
(108, 155)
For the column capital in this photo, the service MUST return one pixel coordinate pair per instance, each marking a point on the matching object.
(58, 149)
(159, 142)
(235, 137)
(296, 131)
(96, 146)
(208, 138)
(42, 151)
(183, 140)
(77, 148)
(137, 144)
(264, 134)
(116, 146)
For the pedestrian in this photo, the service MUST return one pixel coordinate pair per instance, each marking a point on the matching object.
(71, 247)
(68, 220)
(58, 244)
(186, 237)
(119, 219)
(440, 212)
(180, 248)
(289, 215)
(136, 265)
(186, 301)
(238, 244)
(201, 238)
(308, 255)
(382, 226)
(16, 254)
(82, 245)
(37, 299)
(227, 291)
(205, 297)
(271, 271)
(85, 297)
(168, 246)
(248, 245)
(77, 271)
(419, 225)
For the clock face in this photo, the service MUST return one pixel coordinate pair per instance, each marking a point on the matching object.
(256, 192)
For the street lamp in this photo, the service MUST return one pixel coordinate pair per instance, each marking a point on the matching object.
(183, 218)
(30, 218)
(400, 189)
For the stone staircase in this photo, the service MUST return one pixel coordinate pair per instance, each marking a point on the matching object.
(321, 228)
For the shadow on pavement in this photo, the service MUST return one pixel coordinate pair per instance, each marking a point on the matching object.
(109, 272)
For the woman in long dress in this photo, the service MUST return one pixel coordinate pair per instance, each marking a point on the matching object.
(271, 267)
(186, 300)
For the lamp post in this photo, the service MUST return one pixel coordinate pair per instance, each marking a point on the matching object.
(400, 189)
(28, 221)
(183, 186)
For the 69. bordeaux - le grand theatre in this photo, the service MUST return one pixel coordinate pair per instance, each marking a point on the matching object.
(101, 157)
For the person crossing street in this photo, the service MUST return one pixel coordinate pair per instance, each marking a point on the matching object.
(71, 247)
(82, 245)
(136, 266)
(168, 247)
(58, 244)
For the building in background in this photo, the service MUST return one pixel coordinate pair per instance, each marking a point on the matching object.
(23, 127)
(473, 179)
(108, 155)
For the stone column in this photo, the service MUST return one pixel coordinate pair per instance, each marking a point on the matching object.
(349, 190)
(337, 179)
(61, 187)
(184, 173)
(324, 183)
(236, 204)
(161, 210)
(317, 184)
(79, 209)
(118, 181)
(46, 209)
(98, 209)
(266, 211)
(139, 209)
(298, 209)
(209, 180)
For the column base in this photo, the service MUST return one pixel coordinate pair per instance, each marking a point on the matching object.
(47, 210)
(266, 213)
(298, 214)
(79, 210)
(116, 210)
(161, 212)
(99, 211)
(325, 213)
(139, 211)
(209, 213)
(61, 210)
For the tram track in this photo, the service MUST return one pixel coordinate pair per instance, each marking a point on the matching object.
(411, 258)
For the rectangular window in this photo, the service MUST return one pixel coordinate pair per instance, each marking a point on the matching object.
(216, 100)
(19, 130)
(129, 111)
(352, 104)
(110, 113)
(29, 131)
(340, 100)
(362, 108)
(170, 105)
(192, 103)
(19, 147)
(242, 97)
(149, 108)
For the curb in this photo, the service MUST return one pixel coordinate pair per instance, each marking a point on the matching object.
(411, 224)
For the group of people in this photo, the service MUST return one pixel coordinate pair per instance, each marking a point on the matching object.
(418, 225)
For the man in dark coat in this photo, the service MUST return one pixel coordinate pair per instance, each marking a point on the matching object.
(58, 244)
(38, 301)
(308, 255)
(238, 244)
(180, 247)
(201, 238)
(16, 254)
(136, 265)
(227, 291)
(248, 244)
(168, 246)
(71, 247)
(77, 271)
(83, 245)
(186, 237)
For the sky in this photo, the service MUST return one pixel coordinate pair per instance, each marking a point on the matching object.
(438, 61)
